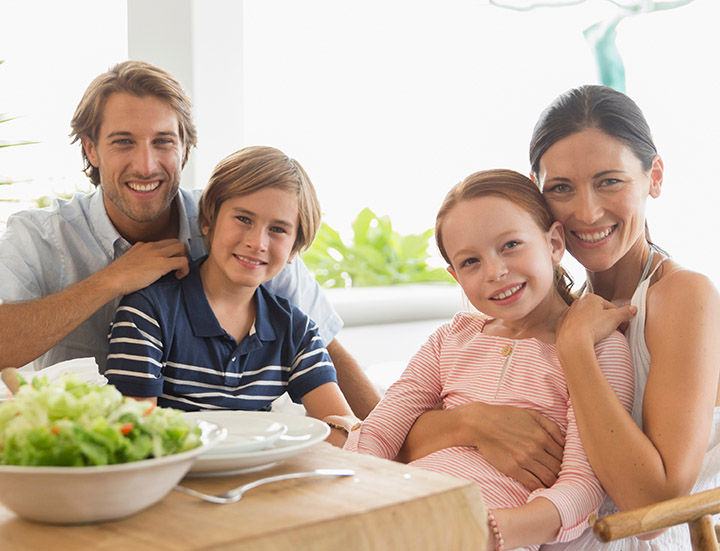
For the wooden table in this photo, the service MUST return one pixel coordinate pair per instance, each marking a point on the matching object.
(385, 506)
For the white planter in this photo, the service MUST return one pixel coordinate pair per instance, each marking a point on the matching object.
(359, 306)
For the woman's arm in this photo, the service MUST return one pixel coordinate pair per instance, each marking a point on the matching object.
(635, 467)
(520, 443)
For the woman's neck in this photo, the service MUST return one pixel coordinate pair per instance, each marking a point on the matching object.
(539, 324)
(618, 283)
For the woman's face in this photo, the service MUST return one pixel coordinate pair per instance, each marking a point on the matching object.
(597, 188)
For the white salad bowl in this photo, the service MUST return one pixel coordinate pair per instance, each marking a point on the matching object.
(77, 495)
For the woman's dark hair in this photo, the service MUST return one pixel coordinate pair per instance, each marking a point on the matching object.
(588, 107)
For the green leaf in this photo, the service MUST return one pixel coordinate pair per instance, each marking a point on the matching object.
(377, 255)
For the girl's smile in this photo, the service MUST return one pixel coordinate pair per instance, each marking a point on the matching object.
(504, 261)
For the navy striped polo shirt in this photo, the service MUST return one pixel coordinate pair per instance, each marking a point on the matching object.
(165, 341)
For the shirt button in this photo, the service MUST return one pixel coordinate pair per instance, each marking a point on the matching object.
(506, 350)
(234, 358)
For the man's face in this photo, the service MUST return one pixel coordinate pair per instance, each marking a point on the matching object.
(139, 155)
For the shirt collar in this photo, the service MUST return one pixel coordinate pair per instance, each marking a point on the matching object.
(102, 227)
(264, 315)
(116, 245)
(203, 320)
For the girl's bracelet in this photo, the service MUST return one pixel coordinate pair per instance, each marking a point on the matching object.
(496, 532)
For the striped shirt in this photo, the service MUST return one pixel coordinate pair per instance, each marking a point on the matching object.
(165, 341)
(458, 365)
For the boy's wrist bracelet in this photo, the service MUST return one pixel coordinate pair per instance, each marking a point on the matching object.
(341, 428)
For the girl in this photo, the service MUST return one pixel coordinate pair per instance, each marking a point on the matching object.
(502, 246)
(217, 339)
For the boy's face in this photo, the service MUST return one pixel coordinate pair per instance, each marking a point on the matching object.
(253, 237)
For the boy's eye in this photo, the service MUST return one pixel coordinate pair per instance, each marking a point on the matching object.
(278, 229)
(243, 219)
(468, 262)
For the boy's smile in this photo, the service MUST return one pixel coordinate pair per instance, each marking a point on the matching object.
(252, 239)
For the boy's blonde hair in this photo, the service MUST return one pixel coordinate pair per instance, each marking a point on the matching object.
(260, 167)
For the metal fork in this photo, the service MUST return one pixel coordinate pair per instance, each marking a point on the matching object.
(236, 494)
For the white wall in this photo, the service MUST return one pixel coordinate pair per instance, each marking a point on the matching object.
(386, 104)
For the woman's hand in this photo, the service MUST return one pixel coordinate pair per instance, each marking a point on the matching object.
(520, 443)
(589, 320)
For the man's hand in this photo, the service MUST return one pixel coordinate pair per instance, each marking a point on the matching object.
(520, 443)
(144, 264)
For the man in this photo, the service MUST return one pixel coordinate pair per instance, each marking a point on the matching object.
(64, 269)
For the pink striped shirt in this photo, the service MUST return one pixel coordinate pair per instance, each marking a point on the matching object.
(460, 364)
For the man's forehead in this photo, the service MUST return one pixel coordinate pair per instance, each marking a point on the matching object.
(126, 114)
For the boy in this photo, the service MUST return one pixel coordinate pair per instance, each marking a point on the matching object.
(217, 339)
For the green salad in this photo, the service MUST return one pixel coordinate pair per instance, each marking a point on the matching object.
(71, 423)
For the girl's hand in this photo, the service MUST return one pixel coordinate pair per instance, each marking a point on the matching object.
(589, 320)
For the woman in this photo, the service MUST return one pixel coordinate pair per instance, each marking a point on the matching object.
(593, 156)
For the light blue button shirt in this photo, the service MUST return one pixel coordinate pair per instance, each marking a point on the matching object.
(42, 251)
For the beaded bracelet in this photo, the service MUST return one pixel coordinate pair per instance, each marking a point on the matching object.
(496, 531)
(342, 429)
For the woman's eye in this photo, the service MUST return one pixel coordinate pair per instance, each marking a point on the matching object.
(557, 188)
(609, 182)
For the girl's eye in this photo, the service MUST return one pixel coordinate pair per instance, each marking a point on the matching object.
(510, 244)
(243, 219)
(468, 262)
(278, 229)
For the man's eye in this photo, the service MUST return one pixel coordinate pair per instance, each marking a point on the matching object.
(122, 141)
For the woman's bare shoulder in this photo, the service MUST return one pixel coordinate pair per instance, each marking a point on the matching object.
(681, 287)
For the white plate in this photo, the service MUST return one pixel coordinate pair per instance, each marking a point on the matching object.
(246, 433)
(303, 433)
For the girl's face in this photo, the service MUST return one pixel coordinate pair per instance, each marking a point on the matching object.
(500, 256)
(597, 188)
(253, 236)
